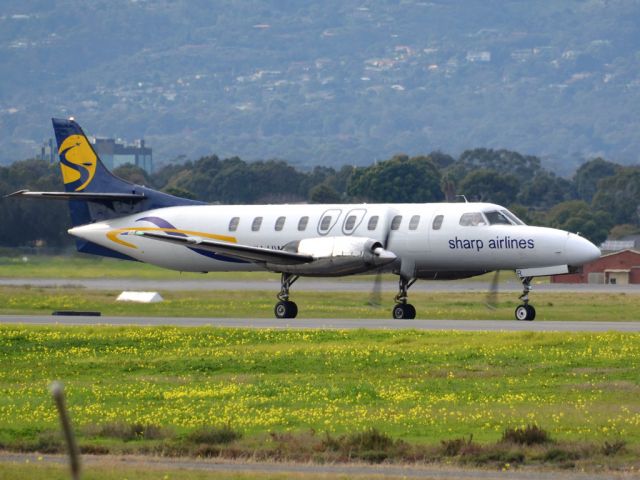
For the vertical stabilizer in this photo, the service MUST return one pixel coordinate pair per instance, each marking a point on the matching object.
(84, 173)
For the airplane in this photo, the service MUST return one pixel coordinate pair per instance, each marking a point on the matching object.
(432, 241)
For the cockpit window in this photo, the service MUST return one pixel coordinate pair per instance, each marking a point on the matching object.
(497, 218)
(472, 219)
(513, 218)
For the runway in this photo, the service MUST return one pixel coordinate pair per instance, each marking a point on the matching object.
(306, 284)
(327, 323)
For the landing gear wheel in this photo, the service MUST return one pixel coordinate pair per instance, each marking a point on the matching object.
(525, 312)
(286, 309)
(404, 311)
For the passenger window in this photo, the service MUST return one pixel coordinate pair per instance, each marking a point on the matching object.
(257, 223)
(437, 222)
(326, 223)
(280, 223)
(414, 222)
(373, 223)
(472, 219)
(302, 223)
(395, 223)
(233, 224)
(350, 223)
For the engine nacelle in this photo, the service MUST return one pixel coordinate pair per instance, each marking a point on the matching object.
(336, 256)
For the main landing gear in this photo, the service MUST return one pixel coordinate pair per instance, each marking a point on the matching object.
(403, 309)
(285, 308)
(525, 311)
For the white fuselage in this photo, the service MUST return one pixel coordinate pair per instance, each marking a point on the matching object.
(430, 238)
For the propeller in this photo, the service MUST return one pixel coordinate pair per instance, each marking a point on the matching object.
(375, 298)
(491, 300)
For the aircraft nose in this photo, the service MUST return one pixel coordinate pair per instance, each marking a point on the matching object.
(580, 250)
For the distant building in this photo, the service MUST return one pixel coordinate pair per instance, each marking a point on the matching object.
(624, 243)
(48, 152)
(482, 56)
(114, 154)
(620, 268)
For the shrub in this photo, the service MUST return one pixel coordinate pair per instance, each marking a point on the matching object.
(128, 431)
(610, 449)
(370, 445)
(530, 435)
(457, 446)
(214, 435)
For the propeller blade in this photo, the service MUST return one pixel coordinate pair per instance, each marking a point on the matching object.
(375, 298)
(492, 295)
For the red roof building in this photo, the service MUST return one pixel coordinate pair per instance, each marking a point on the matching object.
(621, 268)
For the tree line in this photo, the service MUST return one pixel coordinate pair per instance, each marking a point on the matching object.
(602, 198)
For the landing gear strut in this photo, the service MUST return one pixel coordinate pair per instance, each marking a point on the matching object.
(525, 311)
(285, 308)
(403, 309)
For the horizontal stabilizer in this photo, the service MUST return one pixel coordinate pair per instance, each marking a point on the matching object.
(82, 196)
(243, 252)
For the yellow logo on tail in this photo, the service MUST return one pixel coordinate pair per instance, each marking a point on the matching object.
(77, 162)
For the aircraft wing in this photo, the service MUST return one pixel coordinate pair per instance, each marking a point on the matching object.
(243, 252)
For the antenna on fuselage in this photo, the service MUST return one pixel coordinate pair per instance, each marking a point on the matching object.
(462, 196)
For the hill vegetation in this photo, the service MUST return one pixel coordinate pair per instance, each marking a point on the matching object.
(329, 83)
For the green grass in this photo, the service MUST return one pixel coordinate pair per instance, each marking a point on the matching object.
(422, 387)
(114, 470)
(251, 304)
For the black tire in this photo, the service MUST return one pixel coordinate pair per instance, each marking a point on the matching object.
(410, 311)
(525, 313)
(286, 310)
(293, 310)
(399, 311)
(531, 313)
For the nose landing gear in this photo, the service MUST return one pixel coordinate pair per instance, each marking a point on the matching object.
(403, 309)
(525, 311)
(286, 308)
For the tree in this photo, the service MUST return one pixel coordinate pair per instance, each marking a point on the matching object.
(522, 167)
(324, 193)
(27, 222)
(578, 216)
(489, 186)
(134, 174)
(619, 196)
(399, 179)
(546, 190)
(589, 174)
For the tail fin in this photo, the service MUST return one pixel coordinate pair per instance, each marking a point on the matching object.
(83, 174)
(82, 169)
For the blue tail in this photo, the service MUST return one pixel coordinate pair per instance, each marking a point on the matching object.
(95, 193)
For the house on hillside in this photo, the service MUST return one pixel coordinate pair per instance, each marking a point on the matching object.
(622, 268)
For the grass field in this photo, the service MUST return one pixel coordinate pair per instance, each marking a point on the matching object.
(421, 387)
(115, 471)
(250, 304)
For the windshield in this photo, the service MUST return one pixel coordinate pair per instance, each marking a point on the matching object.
(497, 218)
(502, 217)
(515, 219)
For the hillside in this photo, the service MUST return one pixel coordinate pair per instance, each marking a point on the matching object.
(332, 83)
